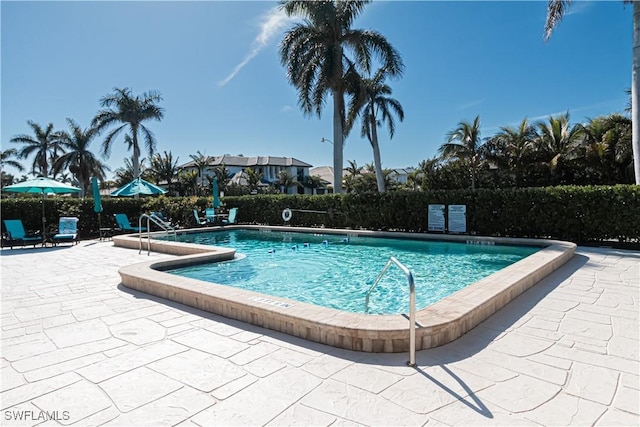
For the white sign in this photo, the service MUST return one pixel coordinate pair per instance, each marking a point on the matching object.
(436, 218)
(457, 218)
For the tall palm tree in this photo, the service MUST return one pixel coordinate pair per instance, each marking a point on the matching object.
(556, 10)
(369, 101)
(322, 51)
(163, 168)
(6, 159)
(41, 143)
(124, 109)
(80, 161)
(464, 144)
(558, 141)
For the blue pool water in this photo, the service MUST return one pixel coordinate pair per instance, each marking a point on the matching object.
(333, 271)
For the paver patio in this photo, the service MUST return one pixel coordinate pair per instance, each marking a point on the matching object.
(81, 349)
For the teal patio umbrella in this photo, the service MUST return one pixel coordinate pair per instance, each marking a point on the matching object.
(138, 187)
(97, 201)
(41, 186)
(216, 194)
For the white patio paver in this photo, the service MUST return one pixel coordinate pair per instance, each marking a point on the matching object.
(75, 343)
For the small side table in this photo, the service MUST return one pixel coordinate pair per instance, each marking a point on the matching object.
(106, 233)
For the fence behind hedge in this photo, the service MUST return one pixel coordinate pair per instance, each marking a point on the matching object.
(578, 214)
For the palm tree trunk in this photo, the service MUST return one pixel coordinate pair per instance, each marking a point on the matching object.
(376, 153)
(338, 138)
(635, 93)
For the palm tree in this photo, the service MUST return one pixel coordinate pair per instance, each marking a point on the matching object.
(608, 147)
(556, 10)
(223, 175)
(313, 182)
(41, 143)
(286, 180)
(350, 179)
(80, 161)
(6, 159)
(315, 55)
(370, 100)
(163, 168)
(124, 109)
(253, 178)
(557, 142)
(512, 147)
(201, 162)
(126, 173)
(464, 144)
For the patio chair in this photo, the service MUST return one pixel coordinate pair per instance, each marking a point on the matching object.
(210, 215)
(17, 236)
(125, 225)
(67, 230)
(199, 221)
(231, 219)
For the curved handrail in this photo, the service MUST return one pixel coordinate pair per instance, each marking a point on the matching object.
(168, 228)
(412, 304)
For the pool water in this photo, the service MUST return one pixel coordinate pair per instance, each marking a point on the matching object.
(337, 271)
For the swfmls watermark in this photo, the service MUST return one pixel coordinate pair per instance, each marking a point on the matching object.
(25, 415)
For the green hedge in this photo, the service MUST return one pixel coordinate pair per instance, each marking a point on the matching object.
(578, 214)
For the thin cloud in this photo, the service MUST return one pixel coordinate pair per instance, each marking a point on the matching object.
(470, 104)
(578, 7)
(286, 109)
(272, 24)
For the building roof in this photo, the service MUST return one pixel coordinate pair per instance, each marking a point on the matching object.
(243, 161)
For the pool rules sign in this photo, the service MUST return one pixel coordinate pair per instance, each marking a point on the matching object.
(457, 218)
(436, 218)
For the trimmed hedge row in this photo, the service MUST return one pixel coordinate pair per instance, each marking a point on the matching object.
(578, 214)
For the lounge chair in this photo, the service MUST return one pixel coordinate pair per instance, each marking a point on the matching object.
(17, 236)
(67, 230)
(199, 221)
(125, 225)
(231, 219)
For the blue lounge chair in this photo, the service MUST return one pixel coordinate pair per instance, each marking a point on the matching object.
(67, 230)
(125, 225)
(17, 236)
(232, 217)
(199, 221)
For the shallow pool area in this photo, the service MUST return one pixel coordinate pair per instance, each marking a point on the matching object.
(337, 271)
(437, 324)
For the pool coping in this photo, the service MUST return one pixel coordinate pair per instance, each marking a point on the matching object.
(437, 324)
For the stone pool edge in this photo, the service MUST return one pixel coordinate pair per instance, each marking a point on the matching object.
(438, 324)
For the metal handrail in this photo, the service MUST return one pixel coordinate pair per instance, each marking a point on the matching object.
(412, 304)
(168, 228)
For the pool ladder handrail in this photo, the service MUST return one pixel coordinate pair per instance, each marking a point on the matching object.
(412, 305)
(168, 228)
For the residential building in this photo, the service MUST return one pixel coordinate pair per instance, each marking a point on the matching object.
(269, 166)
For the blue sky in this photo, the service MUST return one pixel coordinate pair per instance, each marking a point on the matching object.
(216, 65)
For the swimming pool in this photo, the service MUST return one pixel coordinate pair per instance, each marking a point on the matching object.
(336, 271)
(437, 324)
